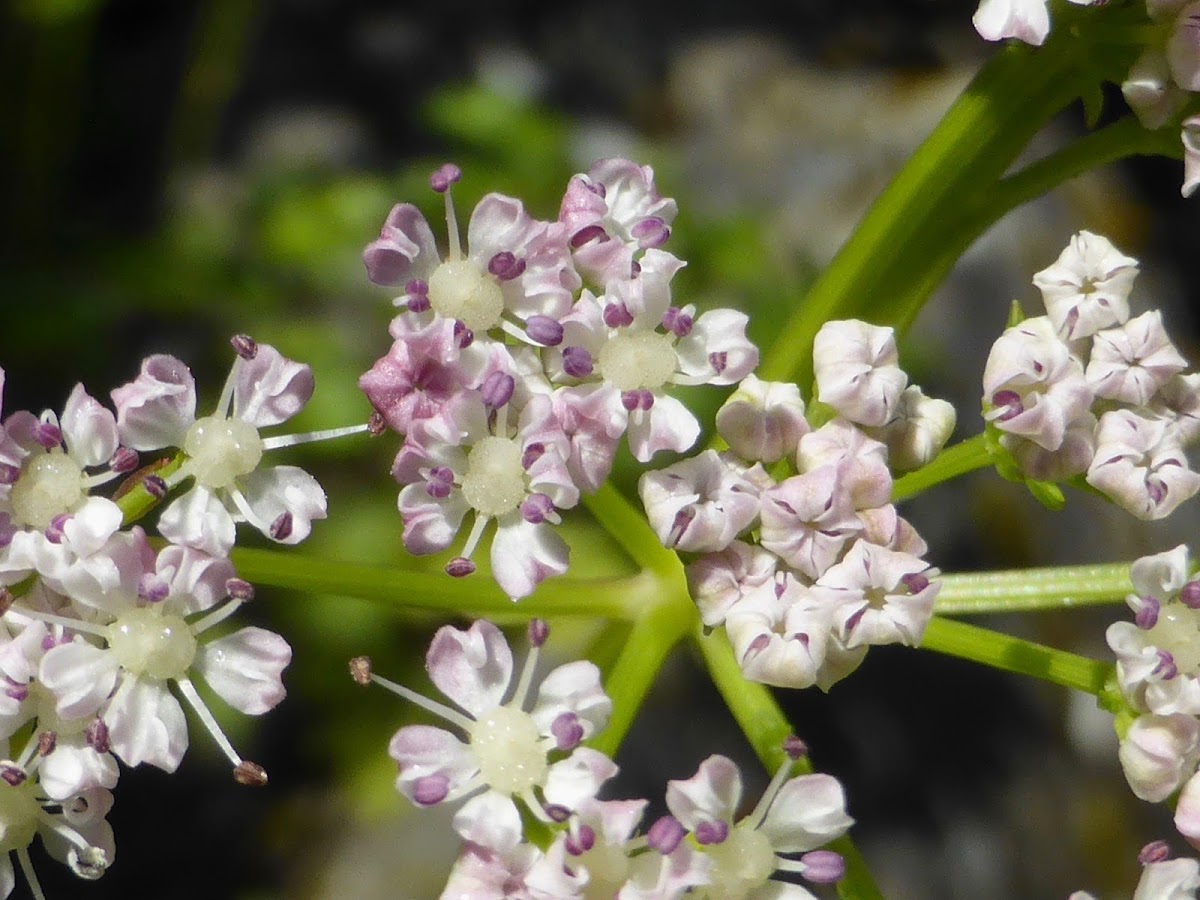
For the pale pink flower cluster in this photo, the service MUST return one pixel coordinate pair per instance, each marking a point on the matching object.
(102, 633)
(518, 751)
(520, 361)
(805, 571)
(1162, 878)
(1159, 82)
(1158, 670)
(1087, 390)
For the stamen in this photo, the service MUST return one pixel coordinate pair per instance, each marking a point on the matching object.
(476, 533)
(243, 505)
(768, 797)
(218, 615)
(450, 715)
(291, 440)
(31, 878)
(76, 624)
(227, 390)
(207, 719)
(535, 807)
(523, 683)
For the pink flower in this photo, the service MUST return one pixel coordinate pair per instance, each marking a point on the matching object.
(1087, 288)
(855, 365)
(505, 757)
(700, 504)
(1140, 466)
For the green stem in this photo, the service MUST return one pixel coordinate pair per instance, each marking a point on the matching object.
(1009, 100)
(958, 459)
(1011, 654)
(631, 531)
(765, 726)
(650, 641)
(1023, 590)
(612, 598)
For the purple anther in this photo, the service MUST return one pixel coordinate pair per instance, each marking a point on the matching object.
(438, 490)
(650, 232)
(1157, 490)
(360, 670)
(567, 731)
(597, 188)
(124, 460)
(645, 400)
(760, 643)
(794, 747)
(155, 486)
(533, 451)
(823, 866)
(711, 832)
(665, 835)
(459, 567)
(497, 389)
(46, 742)
(1010, 401)
(152, 588)
(635, 269)
(537, 632)
(577, 362)
(1154, 852)
(9, 474)
(418, 303)
(1166, 668)
(581, 842)
(446, 175)
(680, 524)
(556, 813)
(505, 267)
(244, 346)
(1147, 617)
(718, 360)
(430, 790)
(12, 775)
(463, 336)
(47, 435)
(417, 287)
(536, 508)
(18, 692)
(6, 598)
(54, 531)
(586, 234)
(677, 321)
(239, 589)
(1189, 595)
(544, 330)
(630, 399)
(281, 528)
(377, 424)
(617, 315)
(915, 582)
(96, 735)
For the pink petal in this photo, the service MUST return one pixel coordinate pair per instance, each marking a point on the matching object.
(245, 669)
(270, 388)
(157, 408)
(473, 667)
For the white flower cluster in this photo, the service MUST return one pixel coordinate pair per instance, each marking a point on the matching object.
(1086, 390)
(101, 633)
(504, 763)
(519, 362)
(806, 570)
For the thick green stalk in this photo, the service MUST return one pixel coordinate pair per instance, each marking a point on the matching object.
(1011, 654)
(765, 727)
(1023, 590)
(611, 598)
(958, 459)
(629, 528)
(1010, 99)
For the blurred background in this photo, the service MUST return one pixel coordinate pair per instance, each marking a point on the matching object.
(173, 173)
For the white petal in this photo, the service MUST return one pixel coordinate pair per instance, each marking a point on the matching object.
(89, 429)
(523, 555)
(711, 795)
(279, 489)
(146, 725)
(473, 667)
(808, 811)
(245, 669)
(491, 819)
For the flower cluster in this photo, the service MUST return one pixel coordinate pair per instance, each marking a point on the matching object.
(102, 631)
(519, 362)
(1158, 83)
(1158, 670)
(515, 758)
(805, 570)
(1086, 390)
